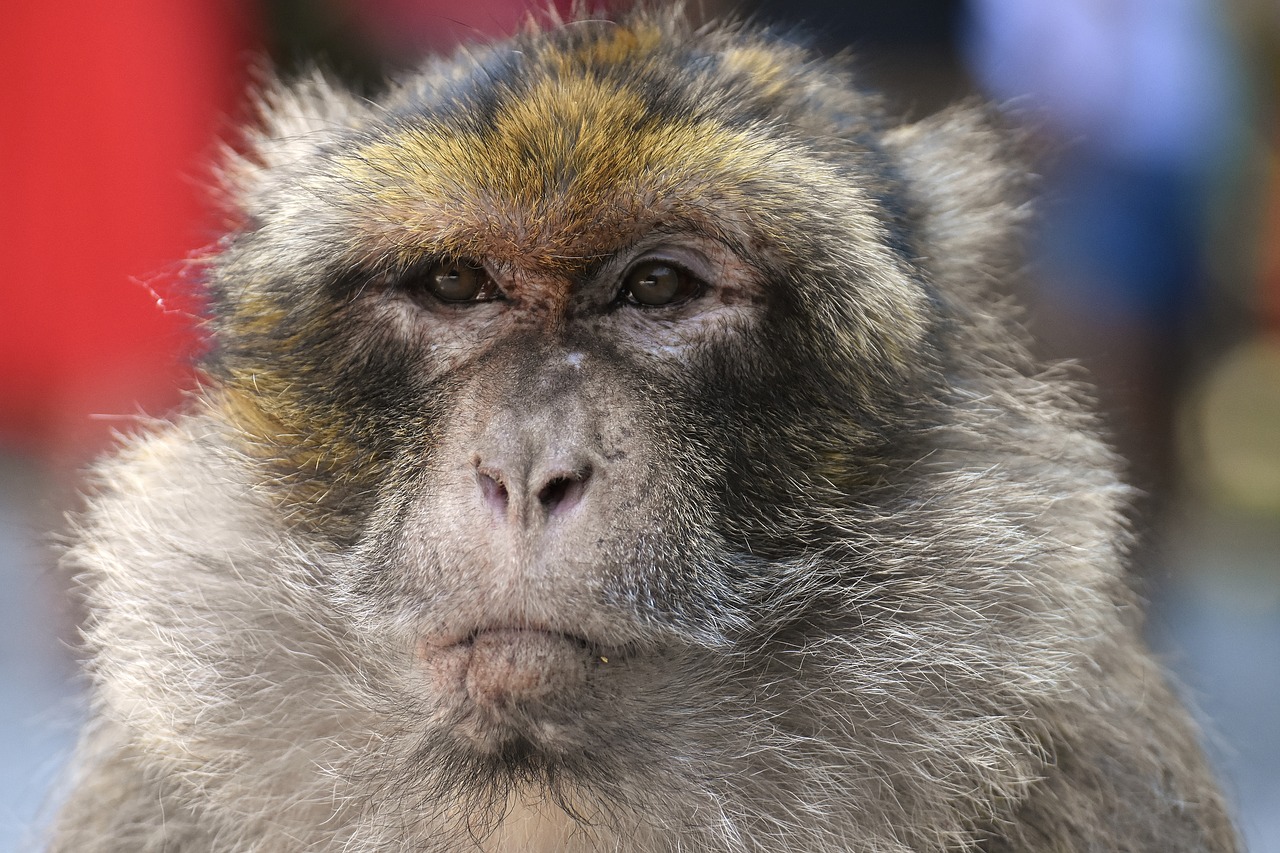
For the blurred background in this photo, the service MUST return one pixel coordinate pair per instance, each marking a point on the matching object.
(1155, 258)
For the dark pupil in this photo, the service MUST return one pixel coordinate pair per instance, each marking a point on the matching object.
(654, 284)
(455, 282)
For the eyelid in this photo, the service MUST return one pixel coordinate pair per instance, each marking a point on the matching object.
(686, 258)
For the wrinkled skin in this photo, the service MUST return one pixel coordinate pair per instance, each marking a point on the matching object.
(614, 439)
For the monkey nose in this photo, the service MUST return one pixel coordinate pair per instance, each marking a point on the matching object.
(537, 496)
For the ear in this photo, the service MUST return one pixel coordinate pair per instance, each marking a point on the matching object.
(967, 175)
(296, 121)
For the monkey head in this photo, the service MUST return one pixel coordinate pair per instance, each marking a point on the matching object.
(621, 416)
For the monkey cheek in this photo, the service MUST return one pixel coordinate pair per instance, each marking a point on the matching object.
(504, 684)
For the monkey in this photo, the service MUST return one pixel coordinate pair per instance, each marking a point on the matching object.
(620, 438)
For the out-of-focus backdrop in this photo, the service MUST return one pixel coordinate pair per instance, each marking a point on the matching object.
(1155, 259)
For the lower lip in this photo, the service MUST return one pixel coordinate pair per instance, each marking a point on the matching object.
(500, 667)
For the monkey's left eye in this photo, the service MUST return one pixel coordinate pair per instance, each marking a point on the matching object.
(460, 281)
(656, 283)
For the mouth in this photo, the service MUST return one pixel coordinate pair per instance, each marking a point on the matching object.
(503, 684)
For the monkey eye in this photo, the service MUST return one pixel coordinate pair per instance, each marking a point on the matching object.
(460, 281)
(656, 283)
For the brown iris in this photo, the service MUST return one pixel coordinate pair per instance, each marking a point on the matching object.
(657, 283)
(461, 281)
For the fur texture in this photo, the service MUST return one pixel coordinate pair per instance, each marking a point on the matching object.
(843, 566)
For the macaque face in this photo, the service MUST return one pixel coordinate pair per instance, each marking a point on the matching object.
(562, 342)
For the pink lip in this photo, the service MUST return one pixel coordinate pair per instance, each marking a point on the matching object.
(494, 671)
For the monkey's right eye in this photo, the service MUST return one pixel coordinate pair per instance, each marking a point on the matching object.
(460, 281)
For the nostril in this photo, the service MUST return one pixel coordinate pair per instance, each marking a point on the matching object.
(494, 492)
(562, 494)
(520, 501)
(554, 492)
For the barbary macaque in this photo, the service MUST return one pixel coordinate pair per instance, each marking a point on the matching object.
(618, 438)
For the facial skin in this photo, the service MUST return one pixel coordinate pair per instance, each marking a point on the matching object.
(614, 440)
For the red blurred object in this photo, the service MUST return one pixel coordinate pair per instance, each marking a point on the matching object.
(111, 113)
